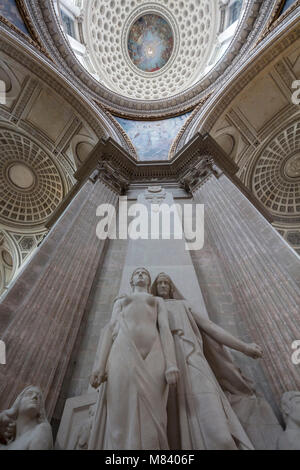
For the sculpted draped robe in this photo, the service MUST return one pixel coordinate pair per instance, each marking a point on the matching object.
(214, 405)
(131, 412)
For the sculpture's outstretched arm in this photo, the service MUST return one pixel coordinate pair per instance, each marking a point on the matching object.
(106, 340)
(224, 337)
(172, 372)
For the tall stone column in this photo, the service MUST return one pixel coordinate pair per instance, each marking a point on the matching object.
(262, 273)
(41, 314)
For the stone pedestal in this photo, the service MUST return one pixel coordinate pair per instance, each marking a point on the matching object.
(261, 274)
(76, 421)
(41, 315)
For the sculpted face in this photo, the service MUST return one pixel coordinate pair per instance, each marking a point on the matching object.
(31, 402)
(163, 287)
(140, 277)
(295, 409)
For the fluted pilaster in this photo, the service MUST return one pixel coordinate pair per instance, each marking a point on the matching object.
(41, 315)
(263, 274)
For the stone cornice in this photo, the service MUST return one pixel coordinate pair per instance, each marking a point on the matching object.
(174, 169)
(200, 159)
(117, 169)
(256, 16)
(276, 18)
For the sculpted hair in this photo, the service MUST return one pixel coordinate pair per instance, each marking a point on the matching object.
(154, 285)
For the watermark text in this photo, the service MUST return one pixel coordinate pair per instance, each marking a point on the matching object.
(2, 353)
(296, 353)
(152, 222)
(296, 94)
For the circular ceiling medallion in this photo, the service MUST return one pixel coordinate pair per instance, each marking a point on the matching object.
(292, 167)
(150, 43)
(21, 176)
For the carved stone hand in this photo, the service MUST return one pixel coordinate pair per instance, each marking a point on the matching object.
(253, 350)
(172, 376)
(7, 427)
(97, 378)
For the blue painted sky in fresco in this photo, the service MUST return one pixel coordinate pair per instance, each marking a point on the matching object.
(149, 63)
(287, 4)
(150, 42)
(9, 9)
(153, 139)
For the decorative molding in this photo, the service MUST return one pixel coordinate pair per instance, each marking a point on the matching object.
(46, 186)
(276, 18)
(110, 176)
(245, 130)
(197, 174)
(27, 91)
(285, 74)
(34, 40)
(172, 170)
(129, 147)
(72, 130)
(175, 143)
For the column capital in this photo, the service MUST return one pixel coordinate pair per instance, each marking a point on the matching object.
(198, 172)
(109, 174)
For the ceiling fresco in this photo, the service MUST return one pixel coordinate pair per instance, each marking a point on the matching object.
(150, 42)
(153, 139)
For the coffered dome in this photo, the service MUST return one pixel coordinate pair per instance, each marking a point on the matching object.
(276, 175)
(31, 183)
(119, 37)
(149, 51)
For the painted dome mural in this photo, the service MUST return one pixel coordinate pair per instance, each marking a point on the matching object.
(150, 42)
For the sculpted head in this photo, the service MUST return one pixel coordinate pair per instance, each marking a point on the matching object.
(29, 405)
(290, 406)
(163, 286)
(30, 402)
(140, 277)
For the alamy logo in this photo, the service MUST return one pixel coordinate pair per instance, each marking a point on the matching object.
(296, 354)
(2, 92)
(296, 94)
(154, 222)
(2, 353)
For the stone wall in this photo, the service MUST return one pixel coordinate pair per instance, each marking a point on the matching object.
(250, 281)
(97, 313)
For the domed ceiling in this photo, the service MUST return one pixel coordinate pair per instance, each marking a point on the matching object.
(149, 50)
